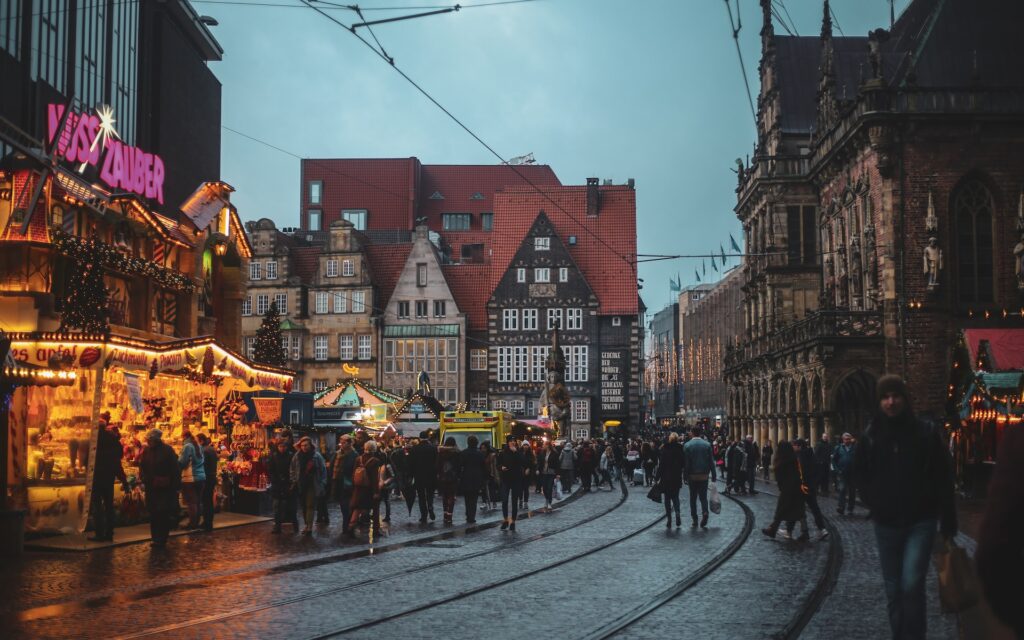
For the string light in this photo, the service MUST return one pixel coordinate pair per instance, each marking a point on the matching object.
(84, 250)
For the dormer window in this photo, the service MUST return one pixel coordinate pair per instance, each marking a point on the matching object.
(542, 244)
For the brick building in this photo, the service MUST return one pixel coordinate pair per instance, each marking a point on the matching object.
(869, 147)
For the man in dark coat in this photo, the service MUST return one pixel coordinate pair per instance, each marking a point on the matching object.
(512, 471)
(108, 467)
(904, 473)
(670, 477)
(210, 466)
(812, 477)
(699, 462)
(281, 485)
(423, 467)
(823, 464)
(474, 474)
(161, 478)
(342, 472)
(753, 458)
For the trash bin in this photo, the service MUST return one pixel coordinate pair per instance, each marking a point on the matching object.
(12, 532)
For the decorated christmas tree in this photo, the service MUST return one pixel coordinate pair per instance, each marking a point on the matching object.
(86, 300)
(267, 347)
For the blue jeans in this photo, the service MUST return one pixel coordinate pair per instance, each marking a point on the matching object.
(847, 493)
(904, 553)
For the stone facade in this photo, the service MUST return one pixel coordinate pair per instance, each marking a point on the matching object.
(664, 382)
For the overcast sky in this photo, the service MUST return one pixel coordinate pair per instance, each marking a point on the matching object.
(644, 89)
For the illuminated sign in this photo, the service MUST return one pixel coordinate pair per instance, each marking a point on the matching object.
(86, 138)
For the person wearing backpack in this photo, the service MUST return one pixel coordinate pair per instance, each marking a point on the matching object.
(448, 473)
(366, 489)
(344, 467)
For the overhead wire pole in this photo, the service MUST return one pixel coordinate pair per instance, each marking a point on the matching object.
(735, 26)
(631, 261)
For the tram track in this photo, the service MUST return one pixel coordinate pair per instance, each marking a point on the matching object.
(284, 602)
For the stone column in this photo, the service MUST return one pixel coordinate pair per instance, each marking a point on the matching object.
(827, 417)
(805, 424)
(790, 427)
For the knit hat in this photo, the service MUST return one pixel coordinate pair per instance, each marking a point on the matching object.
(891, 383)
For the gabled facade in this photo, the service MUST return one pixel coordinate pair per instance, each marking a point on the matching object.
(543, 290)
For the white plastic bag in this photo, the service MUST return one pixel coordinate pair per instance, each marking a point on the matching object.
(716, 502)
(556, 491)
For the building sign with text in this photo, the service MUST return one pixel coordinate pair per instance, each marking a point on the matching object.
(614, 382)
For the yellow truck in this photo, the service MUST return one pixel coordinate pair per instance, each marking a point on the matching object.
(487, 426)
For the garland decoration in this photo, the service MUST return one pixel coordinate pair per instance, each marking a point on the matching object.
(85, 250)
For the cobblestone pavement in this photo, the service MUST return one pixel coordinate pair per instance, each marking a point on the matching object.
(247, 583)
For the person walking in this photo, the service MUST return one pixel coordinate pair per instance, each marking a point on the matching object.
(161, 478)
(530, 463)
(511, 468)
(699, 461)
(280, 467)
(812, 478)
(344, 486)
(423, 466)
(649, 459)
(548, 461)
(448, 473)
(587, 461)
(632, 462)
(766, 459)
(790, 506)
(735, 460)
(606, 464)
(670, 478)
(474, 474)
(823, 465)
(366, 490)
(322, 500)
(193, 477)
(566, 466)
(842, 460)
(905, 477)
(210, 468)
(753, 457)
(308, 476)
(106, 469)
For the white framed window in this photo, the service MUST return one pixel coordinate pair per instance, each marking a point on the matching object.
(319, 347)
(403, 309)
(295, 343)
(365, 350)
(456, 221)
(478, 401)
(520, 275)
(516, 406)
(389, 356)
(332, 267)
(421, 308)
(358, 302)
(250, 346)
(345, 347)
(581, 410)
(529, 319)
(348, 268)
(271, 269)
(281, 300)
(504, 364)
(293, 416)
(321, 302)
(554, 319)
(616, 321)
(356, 216)
(255, 271)
(439, 308)
(453, 355)
(521, 364)
(542, 274)
(314, 219)
(421, 274)
(510, 319)
(247, 306)
(499, 405)
(541, 244)
(478, 359)
(262, 304)
(540, 358)
(319, 385)
(576, 363)
(531, 408)
(340, 302)
(316, 188)
(563, 274)
(574, 319)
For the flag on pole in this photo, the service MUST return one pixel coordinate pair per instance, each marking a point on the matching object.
(714, 265)
(704, 267)
(674, 285)
(722, 249)
(696, 274)
(735, 247)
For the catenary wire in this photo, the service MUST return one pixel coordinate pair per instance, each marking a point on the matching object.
(735, 26)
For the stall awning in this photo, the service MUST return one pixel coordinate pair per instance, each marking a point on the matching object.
(1002, 381)
(1005, 347)
(422, 331)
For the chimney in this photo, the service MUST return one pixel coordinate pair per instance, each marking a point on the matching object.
(593, 197)
(631, 183)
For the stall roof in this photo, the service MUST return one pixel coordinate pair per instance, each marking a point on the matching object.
(353, 393)
(1003, 380)
(1005, 347)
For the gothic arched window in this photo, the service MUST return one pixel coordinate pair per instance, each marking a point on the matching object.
(972, 208)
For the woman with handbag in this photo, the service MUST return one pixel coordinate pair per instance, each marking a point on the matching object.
(791, 505)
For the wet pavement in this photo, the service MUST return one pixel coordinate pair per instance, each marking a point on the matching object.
(603, 565)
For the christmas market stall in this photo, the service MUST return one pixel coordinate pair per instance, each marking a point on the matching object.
(417, 413)
(986, 395)
(136, 385)
(348, 406)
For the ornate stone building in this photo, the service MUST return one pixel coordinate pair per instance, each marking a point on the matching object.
(880, 211)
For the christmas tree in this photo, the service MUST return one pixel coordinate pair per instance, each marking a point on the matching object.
(86, 299)
(267, 347)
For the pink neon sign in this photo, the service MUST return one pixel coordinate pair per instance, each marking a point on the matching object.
(86, 137)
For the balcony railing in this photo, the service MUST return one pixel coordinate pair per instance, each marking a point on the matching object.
(818, 326)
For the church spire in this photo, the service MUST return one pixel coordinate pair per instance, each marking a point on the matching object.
(826, 23)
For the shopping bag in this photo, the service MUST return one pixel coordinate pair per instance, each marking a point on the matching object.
(958, 584)
(556, 491)
(655, 493)
(638, 476)
(716, 502)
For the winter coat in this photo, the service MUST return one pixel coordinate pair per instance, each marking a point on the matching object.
(423, 463)
(474, 471)
(510, 466)
(735, 458)
(842, 458)
(367, 497)
(698, 459)
(281, 473)
(108, 459)
(904, 473)
(529, 462)
(753, 456)
(551, 460)
(159, 466)
(809, 467)
(790, 506)
(670, 467)
(822, 454)
(192, 458)
(319, 470)
(448, 468)
(344, 467)
(566, 461)
(210, 463)
(606, 461)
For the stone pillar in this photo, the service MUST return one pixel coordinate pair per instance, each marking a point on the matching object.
(790, 427)
(828, 426)
(805, 426)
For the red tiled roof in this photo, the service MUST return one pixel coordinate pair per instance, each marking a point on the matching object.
(460, 183)
(385, 187)
(605, 248)
(469, 286)
(305, 261)
(386, 264)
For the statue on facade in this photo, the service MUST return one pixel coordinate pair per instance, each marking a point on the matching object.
(556, 397)
(932, 262)
(829, 293)
(842, 278)
(856, 269)
(423, 383)
(872, 256)
(875, 40)
(1018, 254)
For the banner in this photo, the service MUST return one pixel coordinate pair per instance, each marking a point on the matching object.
(268, 409)
(134, 392)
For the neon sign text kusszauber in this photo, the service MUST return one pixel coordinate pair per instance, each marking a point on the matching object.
(85, 138)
